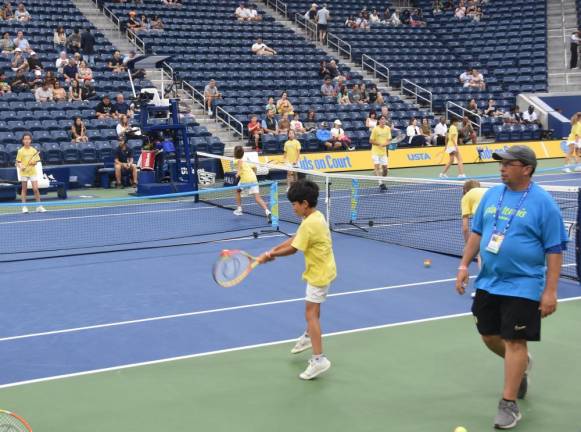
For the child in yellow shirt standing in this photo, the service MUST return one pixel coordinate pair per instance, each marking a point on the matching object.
(292, 153)
(26, 160)
(246, 175)
(313, 238)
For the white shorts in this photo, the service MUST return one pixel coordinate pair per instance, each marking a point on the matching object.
(316, 294)
(379, 160)
(28, 178)
(577, 144)
(450, 150)
(247, 191)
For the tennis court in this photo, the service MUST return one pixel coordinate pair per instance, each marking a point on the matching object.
(144, 340)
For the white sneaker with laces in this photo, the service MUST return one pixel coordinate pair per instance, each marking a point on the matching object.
(315, 368)
(303, 344)
(566, 170)
(209, 112)
(40, 209)
(442, 175)
(461, 175)
(238, 212)
(24, 209)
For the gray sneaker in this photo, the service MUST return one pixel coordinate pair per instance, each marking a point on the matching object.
(524, 384)
(508, 415)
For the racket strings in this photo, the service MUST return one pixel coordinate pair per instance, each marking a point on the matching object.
(231, 268)
(9, 423)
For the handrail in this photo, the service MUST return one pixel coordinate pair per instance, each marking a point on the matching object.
(279, 6)
(114, 18)
(342, 47)
(166, 69)
(471, 115)
(373, 65)
(415, 90)
(309, 27)
(197, 96)
(136, 40)
(229, 120)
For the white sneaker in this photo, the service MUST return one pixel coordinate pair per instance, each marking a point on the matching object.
(24, 209)
(40, 209)
(577, 168)
(209, 112)
(442, 175)
(461, 175)
(315, 368)
(303, 344)
(566, 170)
(238, 212)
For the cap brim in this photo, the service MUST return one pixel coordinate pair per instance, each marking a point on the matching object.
(501, 155)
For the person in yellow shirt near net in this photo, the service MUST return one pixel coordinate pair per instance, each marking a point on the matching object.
(292, 153)
(248, 182)
(573, 144)
(313, 238)
(26, 160)
(379, 140)
(471, 196)
(453, 151)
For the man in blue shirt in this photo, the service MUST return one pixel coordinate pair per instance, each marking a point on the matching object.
(519, 232)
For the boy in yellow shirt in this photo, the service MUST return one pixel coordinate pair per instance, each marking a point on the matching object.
(246, 174)
(26, 160)
(379, 140)
(292, 153)
(313, 238)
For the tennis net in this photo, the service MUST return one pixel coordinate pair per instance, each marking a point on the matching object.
(80, 227)
(417, 213)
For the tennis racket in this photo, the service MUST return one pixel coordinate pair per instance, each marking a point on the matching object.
(565, 146)
(232, 267)
(11, 422)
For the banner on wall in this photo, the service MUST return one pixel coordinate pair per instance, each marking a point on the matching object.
(407, 157)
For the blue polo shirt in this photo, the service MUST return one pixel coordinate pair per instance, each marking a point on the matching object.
(518, 270)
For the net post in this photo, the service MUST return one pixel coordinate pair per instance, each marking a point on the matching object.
(274, 210)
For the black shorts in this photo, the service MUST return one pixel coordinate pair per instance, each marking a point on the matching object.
(322, 27)
(510, 317)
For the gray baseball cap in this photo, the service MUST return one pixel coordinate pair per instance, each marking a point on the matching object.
(519, 153)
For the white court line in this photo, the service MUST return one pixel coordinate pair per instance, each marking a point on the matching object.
(211, 311)
(242, 348)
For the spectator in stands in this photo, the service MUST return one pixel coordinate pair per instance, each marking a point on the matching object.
(78, 131)
(124, 163)
(116, 63)
(323, 70)
(255, 132)
(530, 116)
(311, 14)
(211, 96)
(7, 13)
(440, 132)
(34, 64)
(374, 96)
(70, 71)
(465, 77)
(374, 17)
(467, 132)
(20, 82)
(74, 41)
(88, 46)
(18, 62)
(339, 138)
(156, 23)
(145, 24)
(363, 95)
(355, 95)
(128, 62)
(88, 91)
(491, 110)
(296, 125)
(310, 124)
(21, 42)
(385, 17)
(350, 22)
(7, 44)
(174, 3)
(242, 13)
(22, 14)
(477, 80)
(60, 39)
(84, 73)
(254, 16)
(328, 89)
(133, 23)
(61, 62)
(261, 49)
(59, 94)
(50, 79)
(74, 91)
(371, 120)
(405, 17)
(394, 19)
(473, 109)
(104, 109)
(437, 7)
(43, 93)
(514, 116)
(427, 132)
(416, 19)
(385, 113)
(284, 105)
(269, 123)
(333, 70)
(460, 11)
(283, 125)
(575, 42)
(122, 107)
(323, 17)
(124, 128)
(414, 134)
(270, 105)
(362, 23)
(4, 86)
(343, 96)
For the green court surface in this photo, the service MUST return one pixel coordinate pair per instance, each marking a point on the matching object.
(427, 376)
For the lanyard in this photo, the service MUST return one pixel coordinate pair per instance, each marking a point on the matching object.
(516, 210)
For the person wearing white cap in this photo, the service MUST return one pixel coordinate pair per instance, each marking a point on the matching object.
(338, 137)
(18, 62)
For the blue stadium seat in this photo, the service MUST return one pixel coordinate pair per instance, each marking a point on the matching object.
(89, 152)
(71, 153)
(53, 154)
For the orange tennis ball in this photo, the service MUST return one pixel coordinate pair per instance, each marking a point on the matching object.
(427, 262)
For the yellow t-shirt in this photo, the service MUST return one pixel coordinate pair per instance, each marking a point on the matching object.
(246, 173)
(314, 240)
(471, 200)
(28, 157)
(380, 135)
(575, 132)
(452, 136)
(292, 150)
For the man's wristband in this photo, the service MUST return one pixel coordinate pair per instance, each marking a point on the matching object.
(462, 268)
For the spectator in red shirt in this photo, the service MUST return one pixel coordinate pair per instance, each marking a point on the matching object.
(255, 131)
